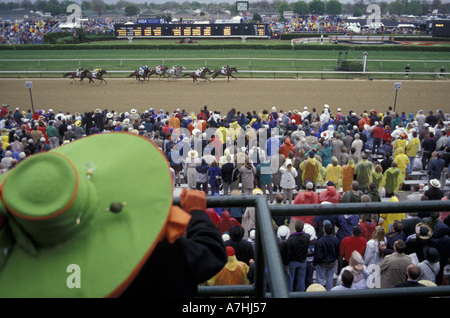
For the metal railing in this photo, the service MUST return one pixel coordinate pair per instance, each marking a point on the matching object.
(267, 254)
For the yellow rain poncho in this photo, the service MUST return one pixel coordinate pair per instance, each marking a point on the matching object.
(399, 143)
(389, 218)
(402, 161)
(235, 130)
(311, 168)
(333, 173)
(412, 147)
(377, 178)
(223, 133)
(233, 273)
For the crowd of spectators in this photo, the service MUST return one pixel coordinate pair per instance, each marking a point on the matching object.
(294, 157)
(23, 31)
(31, 31)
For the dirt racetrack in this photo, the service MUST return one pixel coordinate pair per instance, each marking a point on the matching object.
(243, 94)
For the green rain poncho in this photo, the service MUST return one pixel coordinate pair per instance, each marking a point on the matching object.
(391, 180)
(364, 172)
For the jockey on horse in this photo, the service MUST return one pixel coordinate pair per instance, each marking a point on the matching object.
(158, 69)
(142, 70)
(94, 73)
(199, 71)
(225, 69)
(79, 70)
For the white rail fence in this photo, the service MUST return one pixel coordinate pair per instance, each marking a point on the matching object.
(205, 60)
(293, 74)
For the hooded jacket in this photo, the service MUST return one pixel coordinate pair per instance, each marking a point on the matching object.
(330, 195)
(227, 222)
(287, 147)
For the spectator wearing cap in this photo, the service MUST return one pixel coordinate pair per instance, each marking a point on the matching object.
(69, 134)
(18, 116)
(345, 224)
(430, 267)
(354, 242)
(30, 147)
(326, 254)
(339, 115)
(431, 119)
(243, 248)
(45, 146)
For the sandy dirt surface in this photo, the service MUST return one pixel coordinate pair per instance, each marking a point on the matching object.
(242, 94)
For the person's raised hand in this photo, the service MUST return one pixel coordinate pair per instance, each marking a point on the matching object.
(193, 200)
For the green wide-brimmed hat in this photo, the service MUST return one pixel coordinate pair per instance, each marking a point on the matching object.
(83, 218)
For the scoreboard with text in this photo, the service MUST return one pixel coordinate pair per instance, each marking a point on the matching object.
(192, 30)
(440, 28)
